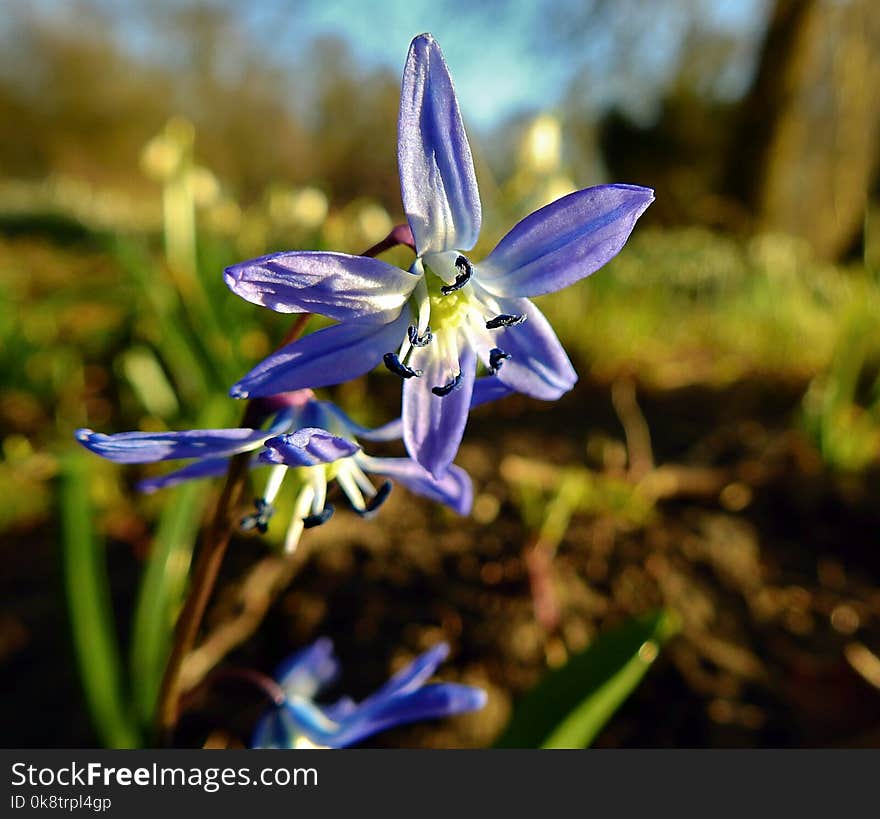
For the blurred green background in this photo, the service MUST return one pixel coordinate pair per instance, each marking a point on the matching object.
(718, 458)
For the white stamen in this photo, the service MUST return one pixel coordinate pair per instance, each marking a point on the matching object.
(273, 484)
(362, 480)
(349, 485)
(423, 304)
(319, 483)
(300, 510)
(423, 315)
(404, 350)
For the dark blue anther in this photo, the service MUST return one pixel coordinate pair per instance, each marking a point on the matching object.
(376, 501)
(259, 520)
(497, 357)
(505, 320)
(461, 279)
(393, 363)
(311, 521)
(415, 339)
(452, 386)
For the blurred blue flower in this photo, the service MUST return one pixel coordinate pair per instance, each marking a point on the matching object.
(314, 438)
(298, 722)
(431, 324)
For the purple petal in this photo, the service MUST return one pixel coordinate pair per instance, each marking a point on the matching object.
(148, 447)
(312, 414)
(307, 671)
(412, 676)
(307, 447)
(330, 356)
(454, 489)
(437, 179)
(429, 702)
(487, 389)
(433, 425)
(564, 241)
(336, 285)
(207, 468)
(538, 365)
(392, 431)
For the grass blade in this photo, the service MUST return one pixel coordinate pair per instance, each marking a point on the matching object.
(571, 705)
(91, 615)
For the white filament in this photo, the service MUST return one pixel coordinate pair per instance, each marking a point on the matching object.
(273, 483)
(300, 510)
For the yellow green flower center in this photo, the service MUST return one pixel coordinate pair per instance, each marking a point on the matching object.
(447, 311)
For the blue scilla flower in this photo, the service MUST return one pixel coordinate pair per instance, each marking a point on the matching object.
(297, 721)
(313, 441)
(432, 324)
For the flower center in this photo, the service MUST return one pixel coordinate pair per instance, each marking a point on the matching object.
(448, 312)
(450, 304)
(443, 301)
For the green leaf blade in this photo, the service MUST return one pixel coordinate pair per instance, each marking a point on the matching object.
(90, 610)
(571, 705)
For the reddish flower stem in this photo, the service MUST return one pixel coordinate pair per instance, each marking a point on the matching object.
(400, 235)
(205, 573)
(269, 688)
(213, 549)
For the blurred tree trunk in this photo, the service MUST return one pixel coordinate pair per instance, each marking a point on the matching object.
(810, 131)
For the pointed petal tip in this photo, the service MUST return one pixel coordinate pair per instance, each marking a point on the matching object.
(231, 275)
(237, 391)
(439, 188)
(647, 196)
(464, 698)
(464, 496)
(425, 42)
(459, 698)
(567, 385)
(646, 192)
(555, 392)
(479, 699)
(233, 278)
(92, 440)
(432, 658)
(464, 507)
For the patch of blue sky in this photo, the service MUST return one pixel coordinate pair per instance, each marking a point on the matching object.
(503, 63)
